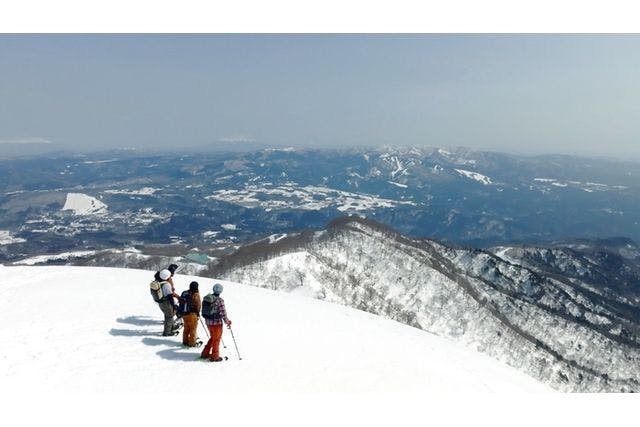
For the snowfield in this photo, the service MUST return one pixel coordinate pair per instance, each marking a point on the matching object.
(7, 238)
(307, 198)
(144, 191)
(82, 204)
(485, 180)
(65, 256)
(90, 329)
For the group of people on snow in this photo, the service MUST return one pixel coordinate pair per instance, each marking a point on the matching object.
(185, 310)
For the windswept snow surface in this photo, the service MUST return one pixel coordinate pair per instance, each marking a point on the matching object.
(89, 329)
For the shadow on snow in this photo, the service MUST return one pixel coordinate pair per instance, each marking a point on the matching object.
(132, 333)
(139, 320)
(184, 354)
(153, 342)
(154, 338)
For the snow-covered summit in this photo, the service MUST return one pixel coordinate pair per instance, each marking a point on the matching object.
(97, 330)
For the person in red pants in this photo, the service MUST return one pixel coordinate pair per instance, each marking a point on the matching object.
(214, 313)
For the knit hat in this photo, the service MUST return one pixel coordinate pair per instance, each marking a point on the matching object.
(172, 268)
(193, 286)
(165, 274)
(217, 289)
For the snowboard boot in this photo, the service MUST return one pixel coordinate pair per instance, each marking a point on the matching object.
(177, 325)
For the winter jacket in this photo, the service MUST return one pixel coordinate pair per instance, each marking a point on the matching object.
(167, 290)
(218, 304)
(197, 303)
(189, 333)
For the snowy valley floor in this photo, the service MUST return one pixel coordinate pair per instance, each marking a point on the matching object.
(87, 329)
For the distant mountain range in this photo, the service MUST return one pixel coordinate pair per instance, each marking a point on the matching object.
(215, 202)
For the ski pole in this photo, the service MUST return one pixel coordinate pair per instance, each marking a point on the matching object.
(205, 328)
(234, 343)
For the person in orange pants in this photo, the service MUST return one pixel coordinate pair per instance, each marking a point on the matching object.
(215, 313)
(190, 319)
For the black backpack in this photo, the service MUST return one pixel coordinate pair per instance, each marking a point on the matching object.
(185, 305)
(208, 308)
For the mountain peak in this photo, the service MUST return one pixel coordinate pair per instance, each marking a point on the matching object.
(361, 221)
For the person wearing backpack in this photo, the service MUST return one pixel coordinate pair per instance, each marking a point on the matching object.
(214, 313)
(166, 303)
(172, 269)
(189, 309)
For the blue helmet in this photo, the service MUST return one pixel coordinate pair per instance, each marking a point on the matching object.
(217, 289)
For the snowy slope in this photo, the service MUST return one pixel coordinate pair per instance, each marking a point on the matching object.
(87, 329)
(81, 204)
(475, 176)
(7, 238)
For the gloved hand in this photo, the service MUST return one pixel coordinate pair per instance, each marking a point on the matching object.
(229, 324)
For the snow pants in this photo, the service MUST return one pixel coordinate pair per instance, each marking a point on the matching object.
(212, 349)
(190, 332)
(169, 312)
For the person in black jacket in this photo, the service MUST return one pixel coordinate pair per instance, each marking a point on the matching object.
(191, 315)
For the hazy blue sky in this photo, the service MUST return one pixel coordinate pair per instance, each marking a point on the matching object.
(524, 93)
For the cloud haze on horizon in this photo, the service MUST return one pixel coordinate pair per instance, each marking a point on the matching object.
(529, 94)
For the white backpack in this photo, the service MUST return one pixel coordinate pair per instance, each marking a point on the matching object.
(156, 290)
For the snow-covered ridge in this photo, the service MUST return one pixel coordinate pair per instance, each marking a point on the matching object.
(475, 176)
(397, 184)
(92, 162)
(287, 343)
(547, 326)
(7, 238)
(144, 191)
(64, 256)
(275, 238)
(589, 187)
